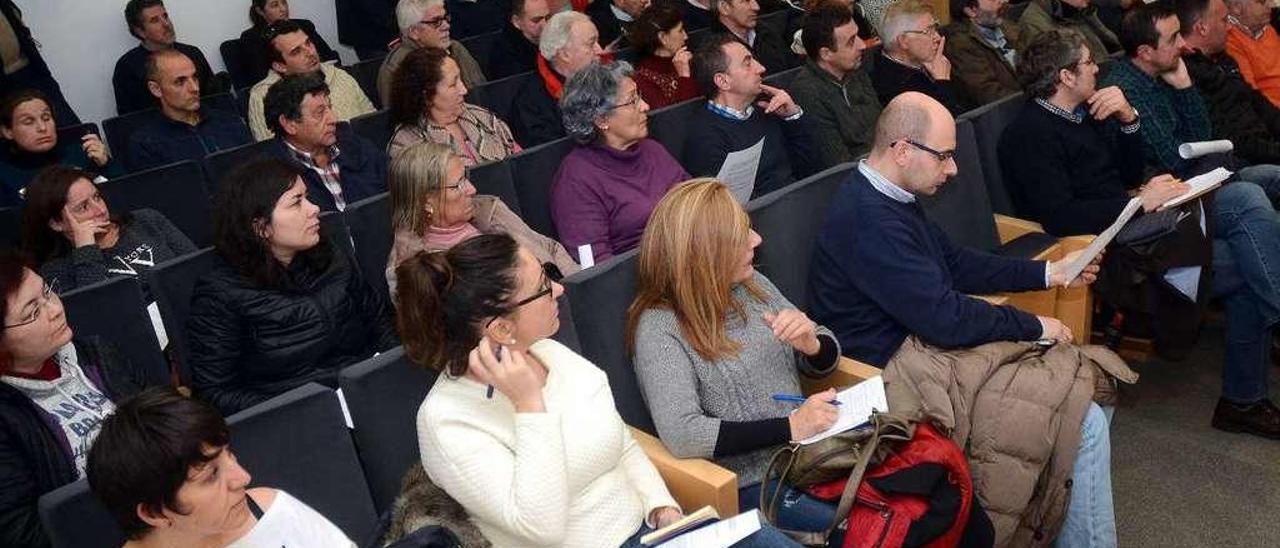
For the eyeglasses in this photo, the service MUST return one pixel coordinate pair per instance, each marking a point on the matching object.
(635, 99)
(47, 295)
(940, 155)
(462, 183)
(931, 30)
(1077, 64)
(550, 273)
(436, 22)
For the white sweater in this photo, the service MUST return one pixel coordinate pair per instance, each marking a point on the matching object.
(572, 476)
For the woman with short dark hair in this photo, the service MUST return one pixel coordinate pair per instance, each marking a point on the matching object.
(281, 306)
(29, 143)
(662, 73)
(163, 466)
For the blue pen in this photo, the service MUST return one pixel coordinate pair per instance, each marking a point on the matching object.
(797, 399)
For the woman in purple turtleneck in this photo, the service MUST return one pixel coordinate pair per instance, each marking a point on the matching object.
(608, 185)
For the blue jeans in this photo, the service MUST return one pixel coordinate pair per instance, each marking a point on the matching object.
(1091, 517)
(766, 537)
(1266, 176)
(796, 510)
(1246, 264)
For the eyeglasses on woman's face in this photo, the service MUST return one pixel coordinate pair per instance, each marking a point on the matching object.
(48, 295)
(550, 273)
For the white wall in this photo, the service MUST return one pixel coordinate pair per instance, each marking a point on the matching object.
(81, 39)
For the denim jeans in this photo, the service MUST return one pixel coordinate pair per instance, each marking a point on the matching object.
(766, 537)
(1091, 517)
(796, 510)
(1266, 176)
(1246, 264)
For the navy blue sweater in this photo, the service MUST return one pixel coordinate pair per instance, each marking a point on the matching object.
(881, 271)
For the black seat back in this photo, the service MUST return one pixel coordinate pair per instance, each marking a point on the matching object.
(480, 46)
(366, 74)
(72, 134)
(788, 221)
(670, 125)
(989, 122)
(73, 518)
(298, 442)
(495, 179)
(499, 95)
(383, 394)
(369, 222)
(374, 126)
(599, 297)
(222, 162)
(118, 130)
(176, 190)
(534, 171)
(960, 206)
(233, 58)
(172, 283)
(115, 311)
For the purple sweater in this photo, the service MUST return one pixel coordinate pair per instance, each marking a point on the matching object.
(604, 196)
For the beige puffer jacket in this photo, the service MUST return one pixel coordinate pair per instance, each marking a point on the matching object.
(1017, 411)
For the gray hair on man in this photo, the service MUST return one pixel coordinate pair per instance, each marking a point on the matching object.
(898, 18)
(409, 13)
(559, 29)
(589, 95)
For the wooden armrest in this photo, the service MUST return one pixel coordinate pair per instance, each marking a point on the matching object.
(1010, 228)
(998, 300)
(1074, 306)
(848, 373)
(694, 483)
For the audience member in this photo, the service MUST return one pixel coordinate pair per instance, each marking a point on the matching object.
(833, 88)
(1041, 16)
(339, 166)
(983, 46)
(516, 51)
(434, 207)
(282, 305)
(428, 103)
(1255, 46)
(705, 324)
(22, 67)
(735, 119)
(366, 25)
(29, 143)
(425, 24)
(1072, 173)
(614, 19)
(182, 130)
(55, 392)
(696, 14)
(76, 241)
(738, 19)
(913, 56)
(164, 468)
(253, 43)
(293, 53)
(568, 44)
(607, 186)
(662, 74)
(1237, 112)
(149, 22)
(482, 314)
(889, 283)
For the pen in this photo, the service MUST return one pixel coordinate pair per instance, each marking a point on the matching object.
(797, 399)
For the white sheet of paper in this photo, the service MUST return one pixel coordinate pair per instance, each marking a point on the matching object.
(157, 324)
(1200, 148)
(739, 171)
(721, 534)
(586, 258)
(1103, 240)
(857, 403)
(1199, 185)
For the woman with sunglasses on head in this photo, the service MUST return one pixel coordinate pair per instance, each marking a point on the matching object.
(282, 305)
(54, 393)
(434, 207)
(253, 46)
(76, 240)
(29, 143)
(519, 429)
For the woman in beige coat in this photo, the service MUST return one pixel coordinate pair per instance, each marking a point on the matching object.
(434, 207)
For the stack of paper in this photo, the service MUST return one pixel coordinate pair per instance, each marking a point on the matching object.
(857, 403)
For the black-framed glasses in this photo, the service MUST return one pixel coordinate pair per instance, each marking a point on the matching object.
(436, 22)
(47, 295)
(940, 155)
(550, 273)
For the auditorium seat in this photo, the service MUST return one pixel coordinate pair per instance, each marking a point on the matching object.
(383, 394)
(172, 283)
(788, 221)
(366, 74)
(480, 46)
(176, 190)
(989, 122)
(369, 222)
(219, 164)
(534, 171)
(233, 58)
(298, 442)
(115, 311)
(499, 95)
(74, 518)
(669, 125)
(782, 79)
(495, 179)
(375, 126)
(333, 227)
(72, 134)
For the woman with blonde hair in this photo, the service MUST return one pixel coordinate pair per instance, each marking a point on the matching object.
(434, 207)
(714, 340)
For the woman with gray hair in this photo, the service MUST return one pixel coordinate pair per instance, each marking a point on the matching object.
(610, 182)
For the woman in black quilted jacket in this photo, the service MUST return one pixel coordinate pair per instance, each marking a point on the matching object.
(282, 306)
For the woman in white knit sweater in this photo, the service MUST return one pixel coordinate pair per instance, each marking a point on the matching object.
(519, 429)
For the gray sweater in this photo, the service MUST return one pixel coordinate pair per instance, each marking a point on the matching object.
(147, 240)
(692, 400)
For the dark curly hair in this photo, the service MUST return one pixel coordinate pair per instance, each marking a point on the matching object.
(1047, 54)
(414, 84)
(245, 199)
(654, 19)
(133, 13)
(284, 98)
(46, 196)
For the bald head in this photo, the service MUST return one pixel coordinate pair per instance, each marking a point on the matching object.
(908, 116)
(914, 144)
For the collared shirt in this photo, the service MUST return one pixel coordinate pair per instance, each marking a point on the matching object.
(885, 186)
(1077, 116)
(735, 114)
(994, 37)
(621, 15)
(331, 176)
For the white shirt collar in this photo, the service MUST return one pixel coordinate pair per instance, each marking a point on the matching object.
(883, 185)
(621, 15)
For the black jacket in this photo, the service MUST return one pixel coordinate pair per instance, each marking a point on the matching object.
(249, 343)
(1237, 112)
(130, 78)
(607, 24)
(26, 43)
(512, 54)
(891, 78)
(257, 60)
(535, 114)
(35, 457)
(771, 50)
(363, 170)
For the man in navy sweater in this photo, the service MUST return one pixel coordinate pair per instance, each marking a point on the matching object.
(881, 271)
